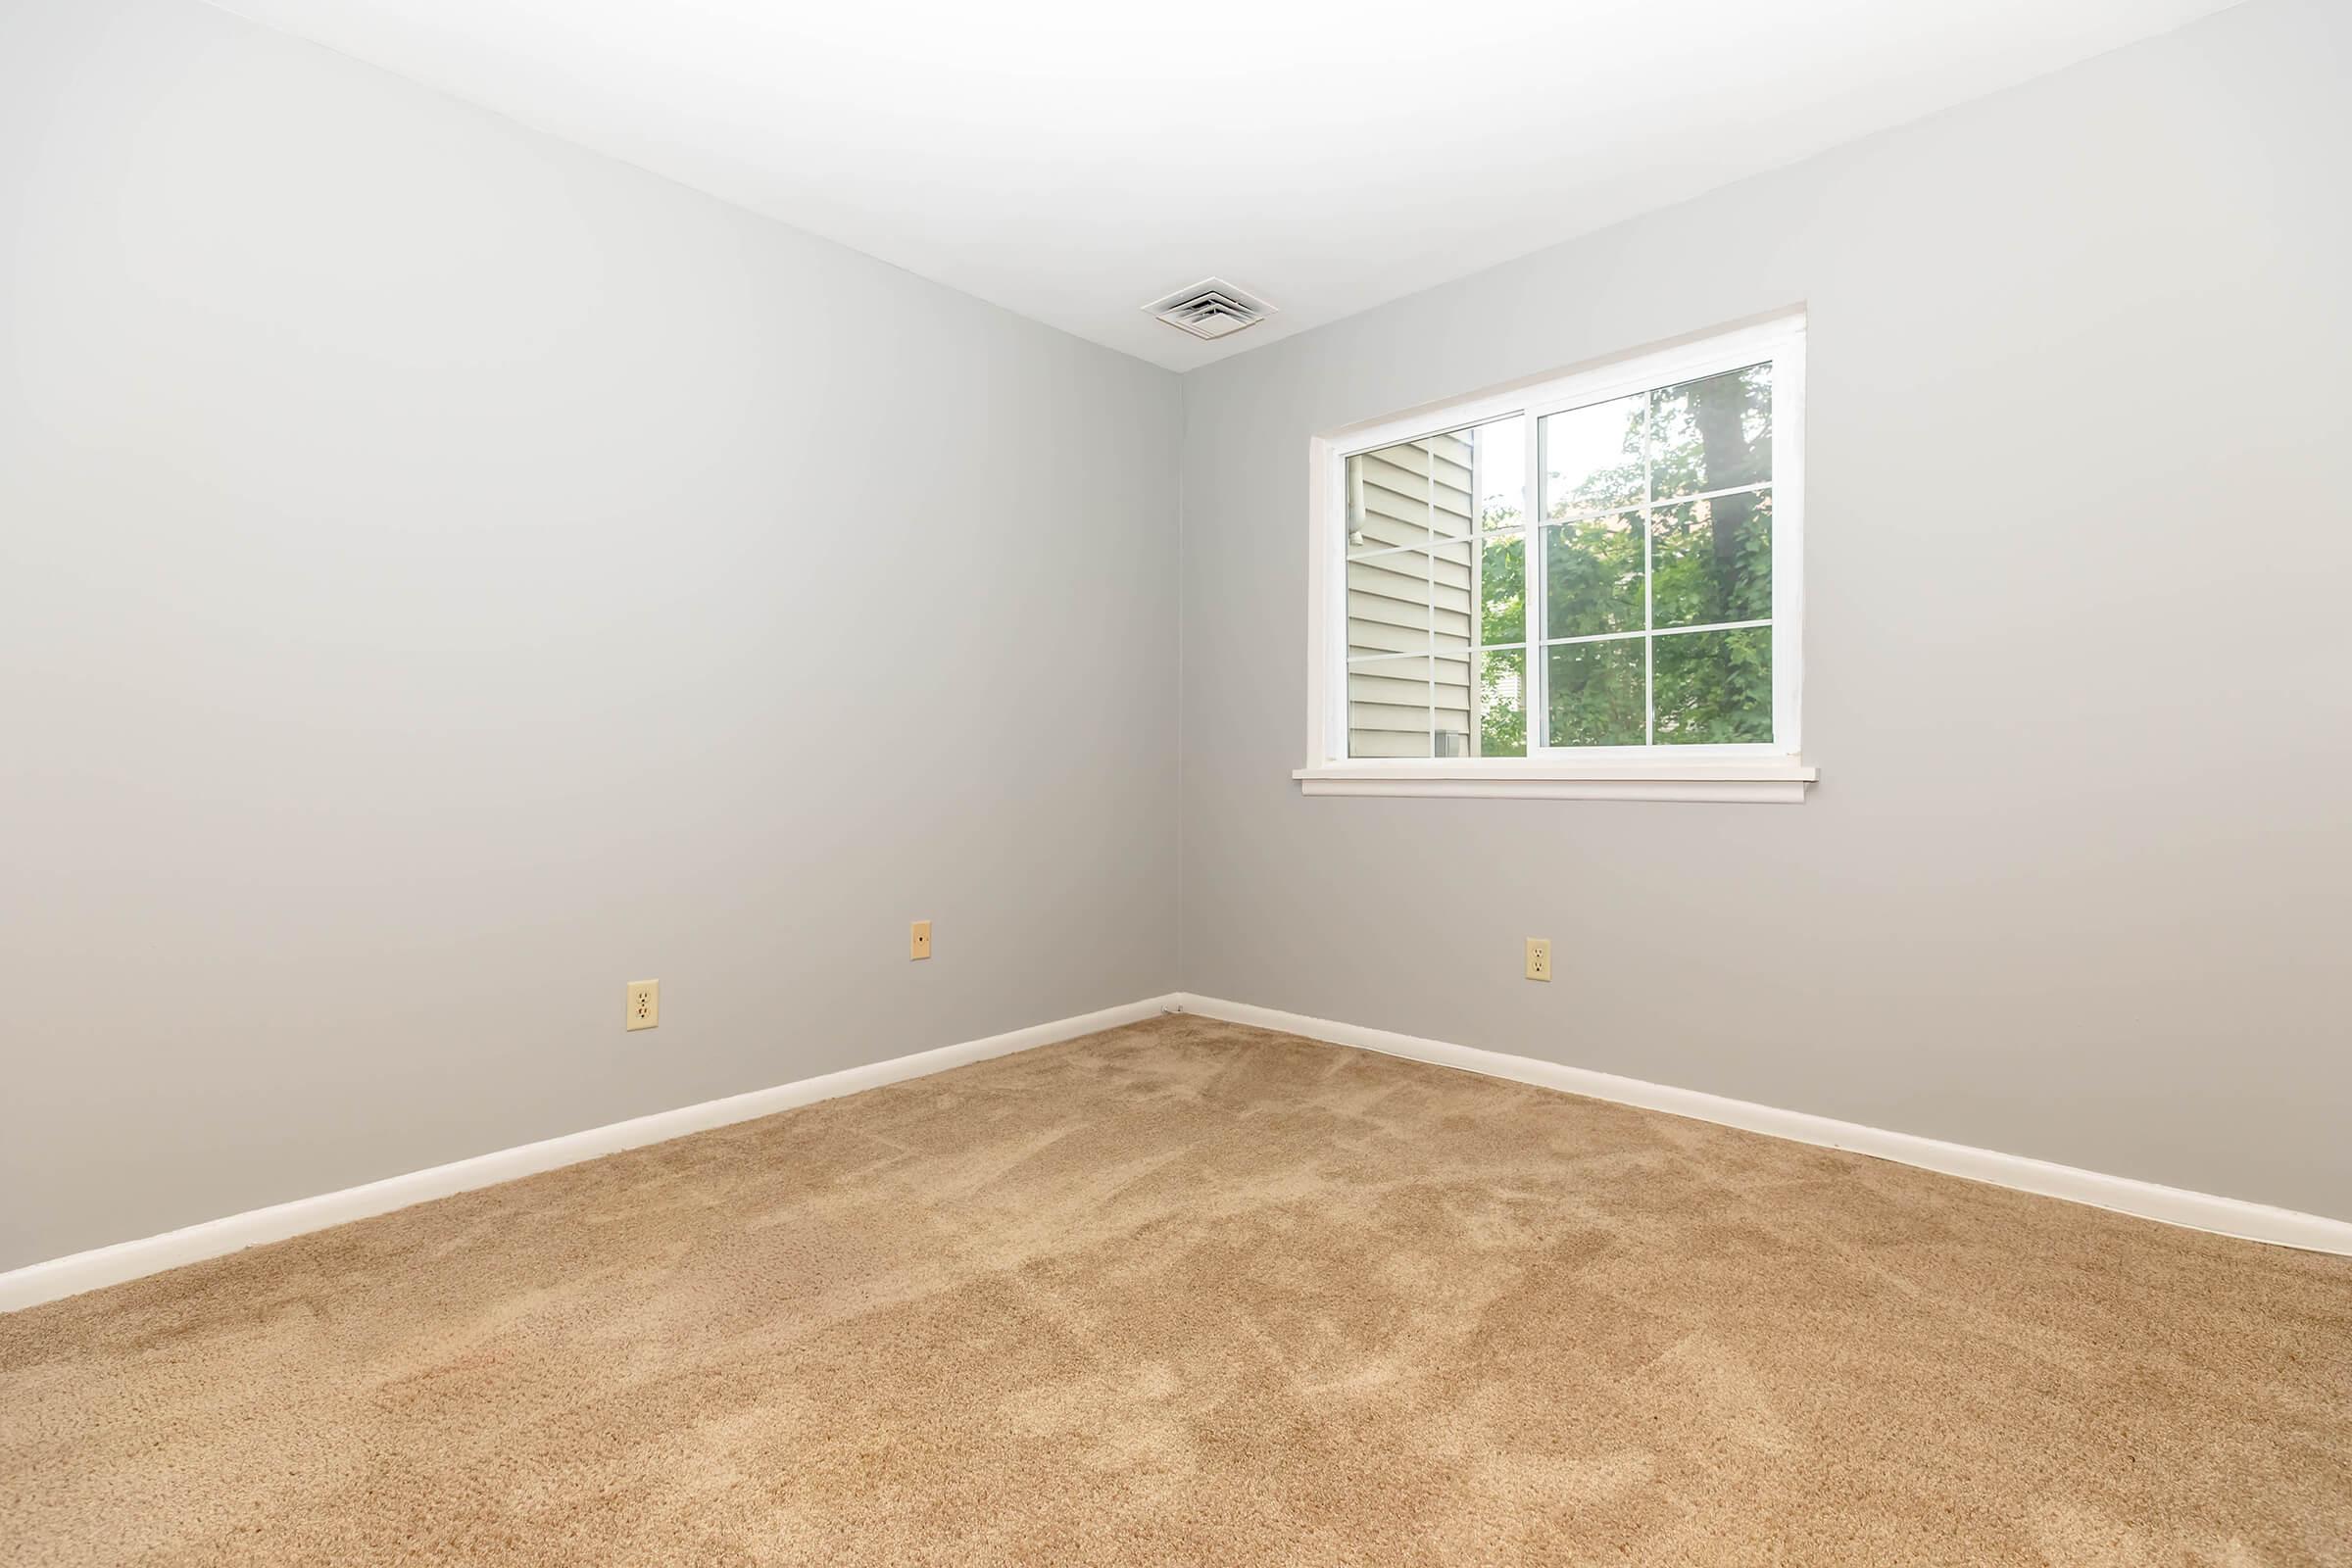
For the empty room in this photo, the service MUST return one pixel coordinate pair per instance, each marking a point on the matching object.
(1064, 784)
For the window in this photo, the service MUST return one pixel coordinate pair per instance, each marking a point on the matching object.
(1633, 632)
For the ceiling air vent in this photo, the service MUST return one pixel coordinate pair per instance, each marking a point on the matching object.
(1211, 309)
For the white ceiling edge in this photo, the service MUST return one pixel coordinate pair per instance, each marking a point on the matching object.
(1061, 160)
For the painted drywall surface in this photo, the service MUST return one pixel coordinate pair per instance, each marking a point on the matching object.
(2071, 883)
(449, 574)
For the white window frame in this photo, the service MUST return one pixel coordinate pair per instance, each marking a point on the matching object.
(1767, 772)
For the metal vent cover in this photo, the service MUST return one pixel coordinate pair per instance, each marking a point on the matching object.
(1211, 309)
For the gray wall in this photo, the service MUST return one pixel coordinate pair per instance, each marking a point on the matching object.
(2073, 882)
(448, 574)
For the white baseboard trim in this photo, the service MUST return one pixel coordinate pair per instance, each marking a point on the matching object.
(37, 1283)
(2203, 1212)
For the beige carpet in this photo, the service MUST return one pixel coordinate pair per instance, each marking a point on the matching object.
(1187, 1293)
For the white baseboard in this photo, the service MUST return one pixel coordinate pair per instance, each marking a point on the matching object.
(124, 1261)
(110, 1266)
(2225, 1216)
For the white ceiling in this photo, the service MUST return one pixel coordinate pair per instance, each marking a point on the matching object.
(1072, 158)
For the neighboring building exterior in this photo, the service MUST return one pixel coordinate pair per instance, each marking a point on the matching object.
(1411, 591)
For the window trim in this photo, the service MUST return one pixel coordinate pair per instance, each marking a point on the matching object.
(1757, 772)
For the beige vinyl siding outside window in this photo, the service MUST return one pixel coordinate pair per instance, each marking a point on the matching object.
(1422, 521)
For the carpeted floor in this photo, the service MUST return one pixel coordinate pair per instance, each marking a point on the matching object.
(1190, 1293)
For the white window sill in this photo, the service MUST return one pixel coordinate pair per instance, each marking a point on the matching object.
(1767, 779)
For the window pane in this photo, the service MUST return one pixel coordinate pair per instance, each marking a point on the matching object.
(1711, 560)
(1389, 710)
(1454, 702)
(1715, 687)
(1500, 467)
(1451, 597)
(1596, 693)
(1712, 434)
(1592, 575)
(1593, 458)
(1502, 702)
(1410, 493)
(1503, 589)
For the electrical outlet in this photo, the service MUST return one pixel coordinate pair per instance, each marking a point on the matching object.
(1539, 957)
(644, 1006)
(918, 939)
